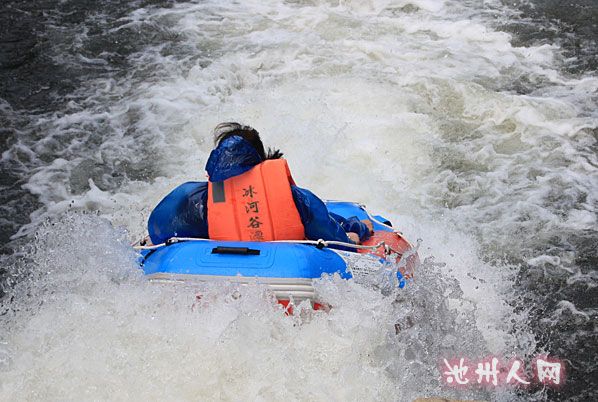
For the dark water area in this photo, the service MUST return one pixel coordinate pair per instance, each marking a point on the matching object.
(571, 25)
(32, 84)
(37, 37)
(50, 50)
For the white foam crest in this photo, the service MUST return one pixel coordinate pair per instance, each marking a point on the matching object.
(566, 310)
(532, 149)
(91, 325)
(402, 51)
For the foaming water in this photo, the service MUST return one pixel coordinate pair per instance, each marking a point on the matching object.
(90, 325)
(407, 107)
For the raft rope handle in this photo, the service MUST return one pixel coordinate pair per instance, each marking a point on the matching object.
(318, 243)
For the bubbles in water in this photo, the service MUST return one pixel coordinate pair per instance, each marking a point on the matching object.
(86, 322)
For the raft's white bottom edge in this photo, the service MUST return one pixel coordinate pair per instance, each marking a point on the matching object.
(297, 289)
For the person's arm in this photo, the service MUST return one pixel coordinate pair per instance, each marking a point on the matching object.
(363, 229)
(316, 219)
(183, 213)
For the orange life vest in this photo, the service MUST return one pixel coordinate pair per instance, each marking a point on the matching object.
(255, 206)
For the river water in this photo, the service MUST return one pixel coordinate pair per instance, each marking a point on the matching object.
(471, 125)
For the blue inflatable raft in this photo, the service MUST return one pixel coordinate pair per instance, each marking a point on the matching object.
(288, 268)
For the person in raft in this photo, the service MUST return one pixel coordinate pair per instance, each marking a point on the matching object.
(250, 196)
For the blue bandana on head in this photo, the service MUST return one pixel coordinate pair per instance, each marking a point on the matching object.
(230, 158)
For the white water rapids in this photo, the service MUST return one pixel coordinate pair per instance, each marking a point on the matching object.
(400, 105)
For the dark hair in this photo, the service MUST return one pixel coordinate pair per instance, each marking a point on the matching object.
(226, 130)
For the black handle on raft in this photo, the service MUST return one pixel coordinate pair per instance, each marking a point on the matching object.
(235, 250)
